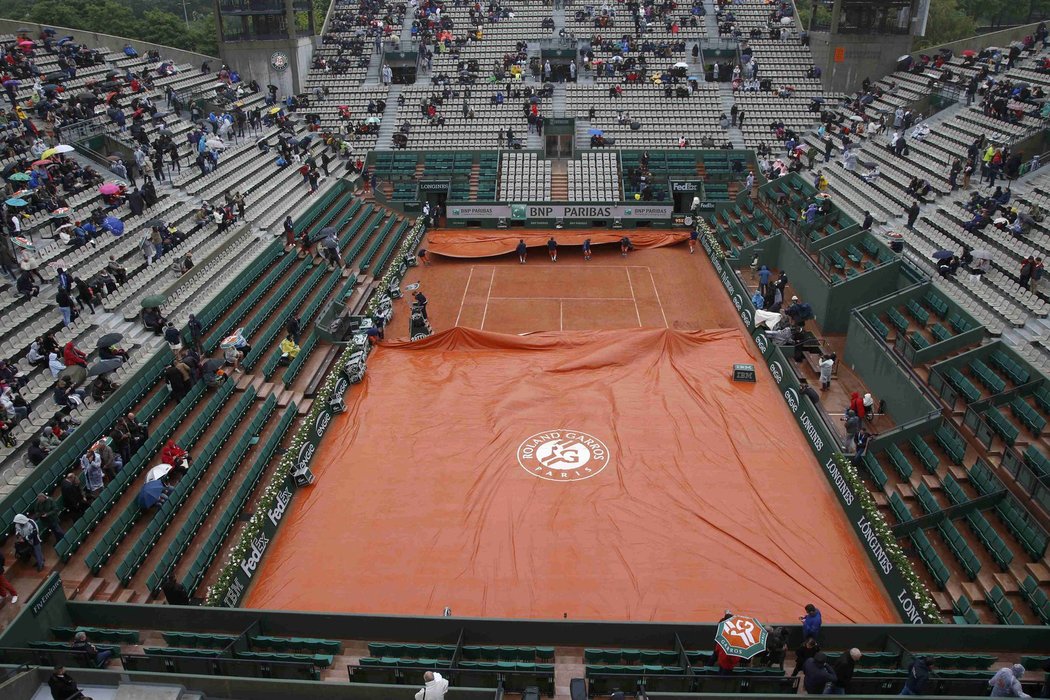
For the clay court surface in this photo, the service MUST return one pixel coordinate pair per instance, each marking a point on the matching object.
(653, 288)
(615, 474)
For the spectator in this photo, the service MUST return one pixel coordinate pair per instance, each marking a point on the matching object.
(6, 589)
(48, 511)
(817, 675)
(808, 649)
(843, 669)
(811, 622)
(92, 655)
(174, 592)
(28, 534)
(918, 673)
(73, 495)
(62, 686)
(1006, 683)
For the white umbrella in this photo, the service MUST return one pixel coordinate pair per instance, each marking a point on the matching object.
(158, 472)
(769, 319)
(681, 64)
(856, 118)
(215, 143)
(63, 148)
(981, 254)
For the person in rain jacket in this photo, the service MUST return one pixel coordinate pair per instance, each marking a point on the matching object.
(1006, 683)
(816, 674)
(918, 674)
(434, 687)
(26, 530)
(827, 365)
(811, 622)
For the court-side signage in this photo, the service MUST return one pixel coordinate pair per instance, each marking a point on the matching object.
(524, 212)
(822, 443)
(46, 595)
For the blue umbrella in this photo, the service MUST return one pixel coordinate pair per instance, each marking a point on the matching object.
(942, 254)
(594, 132)
(114, 225)
(16, 202)
(151, 493)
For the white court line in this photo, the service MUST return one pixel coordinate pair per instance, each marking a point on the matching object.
(485, 313)
(463, 301)
(658, 301)
(562, 298)
(631, 285)
(561, 316)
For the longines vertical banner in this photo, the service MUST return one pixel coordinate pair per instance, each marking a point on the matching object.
(824, 446)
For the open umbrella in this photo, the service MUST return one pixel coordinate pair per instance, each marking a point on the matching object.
(233, 340)
(76, 374)
(153, 301)
(150, 493)
(274, 110)
(61, 213)
(63, 148)
(741, 635)
(105, 366)
(158, 472)
(16, 202)
(594, 132)
(942, 254)
(981, 254)
(108, 340)
(328, 231)
(109, 188)
(215, 143)
(213, 364)
(372, 120)
(23, 242)
(969, 53)
(19, 177)
(681, 64)
(43, 161)
(155, 223)
(115, 225)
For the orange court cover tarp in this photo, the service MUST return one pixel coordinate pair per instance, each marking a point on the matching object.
(612, 475)
(477, 243)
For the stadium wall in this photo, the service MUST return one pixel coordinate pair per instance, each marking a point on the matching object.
(869, 358)
(110, 41)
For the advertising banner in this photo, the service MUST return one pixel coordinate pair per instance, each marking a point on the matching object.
(526, 212)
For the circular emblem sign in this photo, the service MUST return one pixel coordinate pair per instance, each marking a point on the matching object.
(279, 61)
(563, 455)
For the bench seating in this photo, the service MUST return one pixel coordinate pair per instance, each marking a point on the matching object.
(960, 549)
(1002, 426)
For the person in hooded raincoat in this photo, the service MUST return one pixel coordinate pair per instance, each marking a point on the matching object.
(26, 531)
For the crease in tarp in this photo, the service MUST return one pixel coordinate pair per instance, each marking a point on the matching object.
(711, 498)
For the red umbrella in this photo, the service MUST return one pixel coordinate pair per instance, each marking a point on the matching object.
(969, 53)
(109, 188)
(43, 162)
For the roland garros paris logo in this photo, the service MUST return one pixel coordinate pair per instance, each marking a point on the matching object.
(563, 455)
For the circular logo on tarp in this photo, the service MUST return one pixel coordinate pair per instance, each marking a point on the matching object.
(563, 455)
